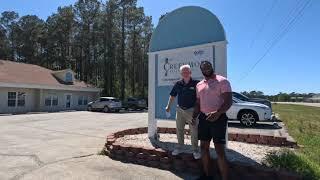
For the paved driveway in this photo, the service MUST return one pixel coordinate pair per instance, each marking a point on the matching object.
(65, 146)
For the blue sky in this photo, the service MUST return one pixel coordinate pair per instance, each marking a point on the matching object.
(292, 65)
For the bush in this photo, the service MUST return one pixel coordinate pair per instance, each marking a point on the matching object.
(293, 162)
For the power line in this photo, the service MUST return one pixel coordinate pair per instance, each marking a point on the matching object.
(285, 21)
(279, 37)
(260, 29)
(266, 18)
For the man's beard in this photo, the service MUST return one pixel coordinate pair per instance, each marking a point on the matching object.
(208, 74)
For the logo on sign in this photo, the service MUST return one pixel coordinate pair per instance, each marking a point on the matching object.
(169, 64)
(166, 67)
(174, 67)
(198, 53)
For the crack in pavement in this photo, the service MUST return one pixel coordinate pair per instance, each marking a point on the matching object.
(18, 176)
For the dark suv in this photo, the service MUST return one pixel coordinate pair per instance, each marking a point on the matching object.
(135, 103)
(256, 100)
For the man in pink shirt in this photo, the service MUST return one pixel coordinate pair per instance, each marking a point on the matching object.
(214, 98)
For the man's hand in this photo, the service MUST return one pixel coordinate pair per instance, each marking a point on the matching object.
(167, 108)
(213, 116)
(194, 121)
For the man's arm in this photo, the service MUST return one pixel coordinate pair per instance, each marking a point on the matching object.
(173, 94)
(170, 101)
(196, 111)
(227, 103)
(226, 95)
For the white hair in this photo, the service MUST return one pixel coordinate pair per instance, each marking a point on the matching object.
(186, 66)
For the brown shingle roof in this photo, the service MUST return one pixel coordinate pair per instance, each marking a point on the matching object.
(14, 72)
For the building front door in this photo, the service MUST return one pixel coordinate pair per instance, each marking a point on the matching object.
(68, 100)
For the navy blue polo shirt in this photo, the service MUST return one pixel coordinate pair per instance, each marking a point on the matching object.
(186, 93)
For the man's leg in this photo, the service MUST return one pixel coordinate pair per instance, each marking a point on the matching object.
(218, 131)
(193, 130)
(205, 137)
(180, 124)
(194, 137)
(205, 156)
(222, 161)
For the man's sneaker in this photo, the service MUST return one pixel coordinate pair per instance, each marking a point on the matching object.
(176, 151)
(196, 155)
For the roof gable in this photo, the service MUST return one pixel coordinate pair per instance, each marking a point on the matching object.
(14, 72)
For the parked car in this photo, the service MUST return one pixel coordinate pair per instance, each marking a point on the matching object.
(105, 104)
(135, 103)
(248, 113)
(256, 100)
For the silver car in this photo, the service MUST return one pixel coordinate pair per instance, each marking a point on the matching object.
(248, 113)
(105, 104)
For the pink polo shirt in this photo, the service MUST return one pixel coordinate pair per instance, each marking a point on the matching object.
(209, 92)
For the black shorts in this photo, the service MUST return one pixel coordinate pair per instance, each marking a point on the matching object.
(213, 130)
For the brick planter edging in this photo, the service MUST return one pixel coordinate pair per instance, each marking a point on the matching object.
(159, 158)
(247, 138)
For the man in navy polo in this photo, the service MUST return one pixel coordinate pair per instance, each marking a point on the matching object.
(185, 89)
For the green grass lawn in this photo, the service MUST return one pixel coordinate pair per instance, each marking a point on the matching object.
(303, 123)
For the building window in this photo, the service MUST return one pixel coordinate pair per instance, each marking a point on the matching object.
(85, 100)
(69, 77)
(21, 98)
(82, 100)
(12, 99)
(54, 100)
(51, 100)
(47, 101)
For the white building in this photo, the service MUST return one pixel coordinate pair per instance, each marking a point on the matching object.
(31, 88)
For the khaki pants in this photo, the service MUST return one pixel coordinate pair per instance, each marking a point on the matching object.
(182, 117)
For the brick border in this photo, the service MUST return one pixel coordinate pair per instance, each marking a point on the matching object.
(162, 159)
(247, 138)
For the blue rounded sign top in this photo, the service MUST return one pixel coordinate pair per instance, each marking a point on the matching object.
(186, 26)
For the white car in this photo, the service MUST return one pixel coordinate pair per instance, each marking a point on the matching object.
(105, 104)
(248, 113)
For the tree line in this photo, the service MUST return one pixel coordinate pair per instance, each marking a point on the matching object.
(104, 43)
(280, 97)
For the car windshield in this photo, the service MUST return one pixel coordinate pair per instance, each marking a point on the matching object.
(115, 100)
(236, 100)
(240, 96)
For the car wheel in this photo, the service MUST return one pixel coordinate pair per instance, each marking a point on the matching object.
(248, 118)
(118, 110)
(106, 109)
(89, 108)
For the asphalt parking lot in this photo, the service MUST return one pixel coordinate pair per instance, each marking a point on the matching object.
(64, 145)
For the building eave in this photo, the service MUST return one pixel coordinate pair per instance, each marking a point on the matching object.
(218, 43)
(40, 86)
